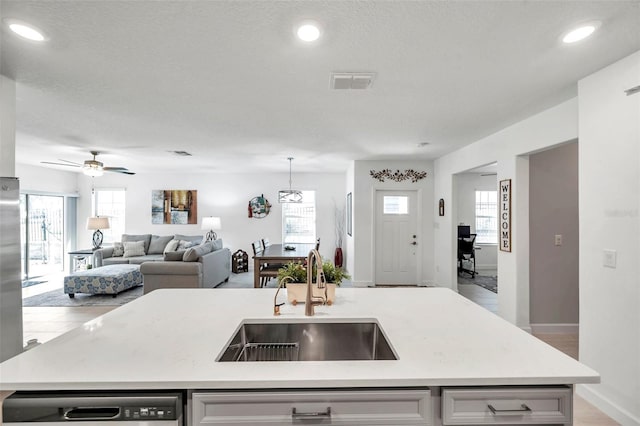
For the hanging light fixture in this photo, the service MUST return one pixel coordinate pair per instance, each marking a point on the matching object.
(290, 195)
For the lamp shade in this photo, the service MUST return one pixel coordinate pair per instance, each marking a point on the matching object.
(211, 223)
(98, 223)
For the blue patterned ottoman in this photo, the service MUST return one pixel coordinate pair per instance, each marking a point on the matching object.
(109, 279)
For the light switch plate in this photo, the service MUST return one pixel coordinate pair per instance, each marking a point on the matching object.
(609, 258)
(558, 239)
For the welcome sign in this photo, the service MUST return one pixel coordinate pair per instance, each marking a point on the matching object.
(505, 215)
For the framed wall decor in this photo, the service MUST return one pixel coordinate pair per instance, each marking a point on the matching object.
(174, 206)
(349, 215)
(504, 192)
(441, 207)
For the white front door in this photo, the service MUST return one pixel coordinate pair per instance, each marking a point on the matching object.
(396, 240)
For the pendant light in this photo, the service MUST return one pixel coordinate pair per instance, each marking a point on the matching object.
(290, 195)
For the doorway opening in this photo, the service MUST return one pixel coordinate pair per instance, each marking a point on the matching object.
(42, 235)
(477, 236)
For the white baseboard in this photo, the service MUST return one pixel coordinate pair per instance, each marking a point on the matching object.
(427, 283)
(362, 284)
(555, 328)
(608, 407)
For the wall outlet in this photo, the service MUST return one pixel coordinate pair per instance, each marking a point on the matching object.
(609, 258)
(558, 239)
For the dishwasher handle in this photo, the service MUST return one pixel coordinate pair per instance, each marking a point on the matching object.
(91, 413)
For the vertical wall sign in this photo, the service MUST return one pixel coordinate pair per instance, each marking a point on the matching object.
(505, 215)
(441, 207)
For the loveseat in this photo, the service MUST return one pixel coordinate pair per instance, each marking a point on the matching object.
(205, 265)
(142, 248)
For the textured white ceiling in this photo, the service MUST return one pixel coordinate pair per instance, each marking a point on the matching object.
(228, 82)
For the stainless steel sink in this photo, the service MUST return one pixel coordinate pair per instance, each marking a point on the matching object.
(308, 341)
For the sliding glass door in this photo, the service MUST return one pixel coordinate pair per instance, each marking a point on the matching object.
(42, 234)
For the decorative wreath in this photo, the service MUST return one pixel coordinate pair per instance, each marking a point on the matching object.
(259, 207)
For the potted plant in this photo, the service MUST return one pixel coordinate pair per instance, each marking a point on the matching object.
(294, 276)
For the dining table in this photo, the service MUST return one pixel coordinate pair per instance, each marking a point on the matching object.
(279, 253)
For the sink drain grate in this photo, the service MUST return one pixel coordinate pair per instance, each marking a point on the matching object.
(269, 352)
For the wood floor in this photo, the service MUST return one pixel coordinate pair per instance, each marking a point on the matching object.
(46, 323)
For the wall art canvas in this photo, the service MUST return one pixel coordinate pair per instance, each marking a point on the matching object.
(174, 206)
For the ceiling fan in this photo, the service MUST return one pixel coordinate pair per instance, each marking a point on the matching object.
(92, 167)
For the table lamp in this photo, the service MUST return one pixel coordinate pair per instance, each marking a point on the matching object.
(211, 223)
(97, 223)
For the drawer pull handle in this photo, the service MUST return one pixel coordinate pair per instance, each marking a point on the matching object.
(311, 416)
(521, 411)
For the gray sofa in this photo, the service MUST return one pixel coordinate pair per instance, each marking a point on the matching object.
(206, 265)
(154, 249)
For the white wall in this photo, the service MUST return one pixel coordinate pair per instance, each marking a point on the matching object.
(466, 185)
(44, 180)
(363, 210)
(507, 147)
(224, 195)
(609, 204)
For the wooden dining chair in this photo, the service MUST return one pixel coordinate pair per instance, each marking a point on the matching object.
(266, 271)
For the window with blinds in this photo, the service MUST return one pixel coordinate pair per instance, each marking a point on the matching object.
(299, 220)
(487, 217)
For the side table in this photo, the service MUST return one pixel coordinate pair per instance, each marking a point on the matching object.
(79, 259)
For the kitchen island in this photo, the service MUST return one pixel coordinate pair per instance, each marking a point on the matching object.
(170, 339)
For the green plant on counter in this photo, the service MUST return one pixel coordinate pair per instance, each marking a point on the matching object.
(295, 272)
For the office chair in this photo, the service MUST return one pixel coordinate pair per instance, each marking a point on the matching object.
(467, 253)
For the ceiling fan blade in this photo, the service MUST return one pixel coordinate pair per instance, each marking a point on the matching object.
(70, 162)
(118, 170)
(60, 164)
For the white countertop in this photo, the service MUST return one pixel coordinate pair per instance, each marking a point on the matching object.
(169, 339)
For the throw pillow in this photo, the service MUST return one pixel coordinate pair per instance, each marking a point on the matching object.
(144, 237)
(195, 239)
(171, 246)
(183, 245)
(173, 256)
(158, 243)
(118, 249)
(217, 244)
(192, 254)
(133, 248)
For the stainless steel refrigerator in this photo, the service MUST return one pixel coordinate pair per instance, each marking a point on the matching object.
(10, 283)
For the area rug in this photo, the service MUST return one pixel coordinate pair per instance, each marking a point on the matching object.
(59, 298)
(29, 283)
(490, 283)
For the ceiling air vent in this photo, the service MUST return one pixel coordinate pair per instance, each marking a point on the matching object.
(352, 80)
(181, 153)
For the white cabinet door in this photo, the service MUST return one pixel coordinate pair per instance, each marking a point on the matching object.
(332, 407)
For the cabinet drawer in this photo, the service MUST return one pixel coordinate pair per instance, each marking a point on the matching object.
(506, 405)
(394, 407)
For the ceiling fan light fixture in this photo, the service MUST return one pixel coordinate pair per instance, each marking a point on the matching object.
(290, 195)
(93, 168)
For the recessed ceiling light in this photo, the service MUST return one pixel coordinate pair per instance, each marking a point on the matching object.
(580, 33)
(423, 144)
(25, 30)
(308, 32)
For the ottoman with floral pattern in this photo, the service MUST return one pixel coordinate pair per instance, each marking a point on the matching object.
(109, 279)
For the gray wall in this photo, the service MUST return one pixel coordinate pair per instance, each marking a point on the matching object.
(553, 209)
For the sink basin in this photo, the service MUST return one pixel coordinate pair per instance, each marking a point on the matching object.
(308, 341)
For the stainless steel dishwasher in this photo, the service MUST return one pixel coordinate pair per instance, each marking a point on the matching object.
(94, 408)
